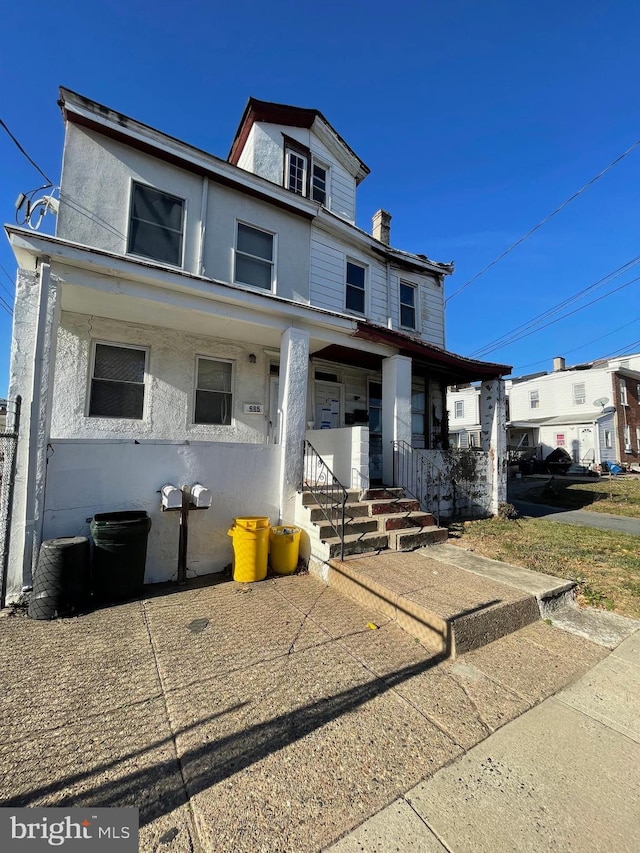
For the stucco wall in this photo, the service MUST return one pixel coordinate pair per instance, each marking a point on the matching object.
(86, 477)
(169, 392)
(345, 451)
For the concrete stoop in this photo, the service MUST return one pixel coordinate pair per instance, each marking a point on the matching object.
(375, 520)
(446, 608)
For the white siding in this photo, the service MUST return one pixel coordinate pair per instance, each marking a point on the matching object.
(342, 186)
(607, 424)
(555, 391)
(327, 289)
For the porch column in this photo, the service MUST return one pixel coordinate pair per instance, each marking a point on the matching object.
(494, 439)
(33, 353)
(292, 405)
(396, 409)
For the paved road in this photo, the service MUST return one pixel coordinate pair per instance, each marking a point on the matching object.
(580, 517)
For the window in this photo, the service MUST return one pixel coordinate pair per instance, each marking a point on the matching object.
(319, 183)
(213, 392)
(407, 305)
(627, 438)
(579, 394)
(355, 287)
(623, 392)
(254, 257)
(117, 382)
(534, 399)
(156, 225)
(638, 439)
(296, 173)
(459, 409)
(607, 438)
(560, 441)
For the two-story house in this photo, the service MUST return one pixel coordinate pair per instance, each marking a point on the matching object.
(196, 318)
(592, 410)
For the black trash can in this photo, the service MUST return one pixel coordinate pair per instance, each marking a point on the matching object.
(120, 553)
(61, 580)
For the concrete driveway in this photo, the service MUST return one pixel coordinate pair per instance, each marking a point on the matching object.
(266, 717)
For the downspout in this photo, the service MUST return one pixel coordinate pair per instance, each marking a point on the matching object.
(203, 225)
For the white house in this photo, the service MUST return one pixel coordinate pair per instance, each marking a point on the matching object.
(195, 318)
(592, 410)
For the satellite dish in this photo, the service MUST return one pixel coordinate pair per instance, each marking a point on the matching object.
(601, 401)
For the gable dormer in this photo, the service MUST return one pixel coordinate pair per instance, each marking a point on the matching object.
(297, 148)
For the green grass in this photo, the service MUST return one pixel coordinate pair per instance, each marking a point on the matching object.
(618, 496)
(605, 564)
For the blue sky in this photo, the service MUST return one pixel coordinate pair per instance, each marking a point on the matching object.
(477, 119)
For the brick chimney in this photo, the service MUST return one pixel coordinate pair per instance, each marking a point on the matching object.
(382, 226)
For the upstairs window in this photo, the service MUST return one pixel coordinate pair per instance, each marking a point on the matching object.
(355, 295)
(254, 257)
(296, 175)
(534, 399)
(319, 184)
(459, 409)
(407, 305)
(213, 392)
(156, 226)
(117, 382)
(623, 392)
(579, 394)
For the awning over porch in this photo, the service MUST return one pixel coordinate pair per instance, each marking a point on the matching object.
(456, 368)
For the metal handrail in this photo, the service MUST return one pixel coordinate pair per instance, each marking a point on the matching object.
(415, 473)
(328, 491)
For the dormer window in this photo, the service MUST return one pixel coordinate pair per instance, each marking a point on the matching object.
(319, 184)
(296, 172)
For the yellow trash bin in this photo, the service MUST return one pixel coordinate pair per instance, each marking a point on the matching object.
(250, 537)
(284, 545)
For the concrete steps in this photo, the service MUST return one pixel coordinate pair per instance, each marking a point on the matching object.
(375, 520)
(446, 608)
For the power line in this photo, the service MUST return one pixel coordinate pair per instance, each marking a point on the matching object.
(582, 346)
(21, 149)
(518, 332)
(545, 220)
(571, 313)
(6, 289)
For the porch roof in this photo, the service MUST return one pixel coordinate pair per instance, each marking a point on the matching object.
(458, 368)
(559, 420)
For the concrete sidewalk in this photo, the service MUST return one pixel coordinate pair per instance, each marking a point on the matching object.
(579, 517)
(564, 776)
(268, 718)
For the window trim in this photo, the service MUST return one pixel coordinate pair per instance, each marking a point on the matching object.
(365, 267)
(273, 262)
(415, 306)
(622, 387)
(232, 393)
(145, 384)
(132, 184)
(535, 391)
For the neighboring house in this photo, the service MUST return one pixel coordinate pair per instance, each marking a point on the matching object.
(194, 319)
(592, 410)
(463, 406)
(3, 415)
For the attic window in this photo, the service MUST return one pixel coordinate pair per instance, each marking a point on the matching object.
(296, 172)
(156, 225)
(319, 184)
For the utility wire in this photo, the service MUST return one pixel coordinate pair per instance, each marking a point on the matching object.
(21, 149)
(582, 346)
(544, 221)
(571, 313)
(518, 332)
(4, 287)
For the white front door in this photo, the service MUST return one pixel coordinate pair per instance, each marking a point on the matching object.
(328, 405)
(587, 446)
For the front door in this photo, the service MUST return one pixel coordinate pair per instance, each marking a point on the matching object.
(328, 405)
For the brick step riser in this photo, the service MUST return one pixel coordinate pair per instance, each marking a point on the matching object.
(407, 541)
(350, 511)
(402, 522)
(393, 507)
(383, 494)
(363, 546)
(308, 498)
(326, 531)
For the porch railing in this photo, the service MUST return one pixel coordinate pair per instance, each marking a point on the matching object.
(419, 476)
(327, 490)
(447, 483)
